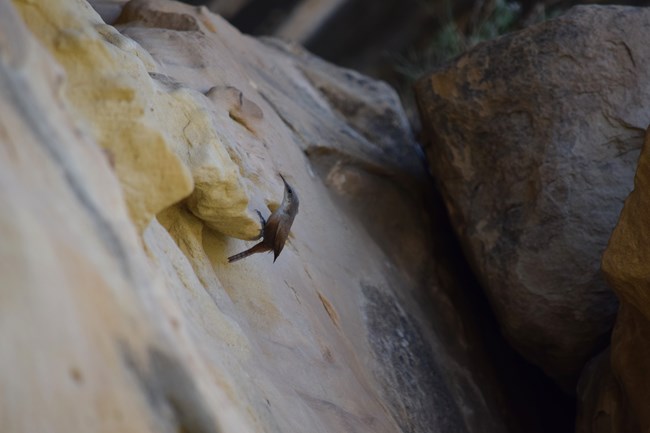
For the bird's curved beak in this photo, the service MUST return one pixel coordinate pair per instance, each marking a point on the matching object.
(283, 180)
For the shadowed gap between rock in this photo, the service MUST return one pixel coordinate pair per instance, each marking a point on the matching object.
(533, 396)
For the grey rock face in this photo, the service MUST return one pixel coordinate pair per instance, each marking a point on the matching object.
(419, 391)
(533, 140)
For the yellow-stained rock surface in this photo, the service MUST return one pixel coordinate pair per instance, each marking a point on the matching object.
(89, 339)
(157, 138)
(133, 159)
(615, 399)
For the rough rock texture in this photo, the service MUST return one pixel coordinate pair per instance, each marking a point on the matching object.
(616, 398)
(533, 141)
(127, 171)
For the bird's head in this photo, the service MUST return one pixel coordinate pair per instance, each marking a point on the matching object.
(290, 196)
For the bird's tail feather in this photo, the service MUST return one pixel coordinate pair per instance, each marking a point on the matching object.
(259, 248)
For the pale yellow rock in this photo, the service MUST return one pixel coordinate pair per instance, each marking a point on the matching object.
(144, 126)
(87, 327)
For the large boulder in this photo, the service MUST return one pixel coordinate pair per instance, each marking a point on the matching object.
(533, 139)
(131, 169)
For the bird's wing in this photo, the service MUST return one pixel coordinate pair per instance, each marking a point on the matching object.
(280, 238)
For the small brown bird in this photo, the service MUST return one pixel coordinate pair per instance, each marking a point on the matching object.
(276, 230)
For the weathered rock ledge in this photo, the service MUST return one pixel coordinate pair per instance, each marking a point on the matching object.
(133, 160)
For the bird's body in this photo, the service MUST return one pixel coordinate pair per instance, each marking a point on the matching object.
(276, 229)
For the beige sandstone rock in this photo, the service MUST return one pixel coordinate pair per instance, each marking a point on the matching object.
(145, 126)
(90, 340)
(119, 309)
(533, 140)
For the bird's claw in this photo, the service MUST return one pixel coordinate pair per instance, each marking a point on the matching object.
(262, 222)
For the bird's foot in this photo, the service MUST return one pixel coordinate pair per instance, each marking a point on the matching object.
(262, 222)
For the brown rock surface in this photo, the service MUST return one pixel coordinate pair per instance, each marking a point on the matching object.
(128, 167)
(616, 400)
(533, 141)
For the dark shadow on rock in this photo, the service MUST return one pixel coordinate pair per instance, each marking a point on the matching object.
(411, 376)
(171, 392)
